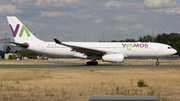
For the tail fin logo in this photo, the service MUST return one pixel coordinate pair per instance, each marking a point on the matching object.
(16, 30)
(21, 32)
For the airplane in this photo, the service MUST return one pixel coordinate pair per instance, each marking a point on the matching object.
(114, 52)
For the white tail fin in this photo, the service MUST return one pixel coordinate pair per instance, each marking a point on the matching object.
(20, 32)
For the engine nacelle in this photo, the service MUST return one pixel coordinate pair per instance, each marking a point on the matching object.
(115, 58)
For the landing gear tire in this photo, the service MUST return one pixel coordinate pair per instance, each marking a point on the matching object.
(92, 63)
(89, 63)
(157, 63)
(95, 63)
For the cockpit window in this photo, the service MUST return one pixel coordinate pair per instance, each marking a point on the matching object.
(169, 47)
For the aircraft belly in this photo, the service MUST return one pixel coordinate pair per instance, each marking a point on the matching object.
(52, 52)
(59, 52)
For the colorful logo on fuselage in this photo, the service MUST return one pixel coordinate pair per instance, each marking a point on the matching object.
(129, 46)
(23, 28)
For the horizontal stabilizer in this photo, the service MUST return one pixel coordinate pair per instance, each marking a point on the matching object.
(24, 45)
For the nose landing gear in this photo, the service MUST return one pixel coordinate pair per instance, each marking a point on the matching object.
(157, 63)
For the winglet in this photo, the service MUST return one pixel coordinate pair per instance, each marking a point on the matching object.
(57, 41)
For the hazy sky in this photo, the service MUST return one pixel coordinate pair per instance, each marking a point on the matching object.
(77, 18)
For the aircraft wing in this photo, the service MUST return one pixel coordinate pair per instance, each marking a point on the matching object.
(85, 50)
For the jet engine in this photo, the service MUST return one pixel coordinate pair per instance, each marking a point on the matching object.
(115, 58)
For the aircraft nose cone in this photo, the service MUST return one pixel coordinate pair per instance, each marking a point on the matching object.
(174, 51)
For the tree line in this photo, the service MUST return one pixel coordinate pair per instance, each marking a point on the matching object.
(19, 53)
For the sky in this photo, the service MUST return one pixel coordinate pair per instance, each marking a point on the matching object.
(72, 20)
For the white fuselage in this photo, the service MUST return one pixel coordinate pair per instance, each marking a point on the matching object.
(128, 49)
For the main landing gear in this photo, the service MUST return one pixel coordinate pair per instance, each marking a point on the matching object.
(92, 63)
(157, 63)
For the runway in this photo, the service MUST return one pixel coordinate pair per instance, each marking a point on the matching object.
(76, 65)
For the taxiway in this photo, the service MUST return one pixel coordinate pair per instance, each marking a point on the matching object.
(76, 65)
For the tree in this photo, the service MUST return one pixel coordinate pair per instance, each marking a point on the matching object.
(126, 40)
(162, 38)
(130, 40)
(8, 49)
(113, 41)
(147, 38)
(27, 53)
(12, 56)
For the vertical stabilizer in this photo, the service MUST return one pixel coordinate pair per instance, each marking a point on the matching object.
(20, 32)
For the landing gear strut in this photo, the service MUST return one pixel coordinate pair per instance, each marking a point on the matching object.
(92, 63)
(157, 63)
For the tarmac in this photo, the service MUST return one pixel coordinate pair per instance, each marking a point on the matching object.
(76, 65)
